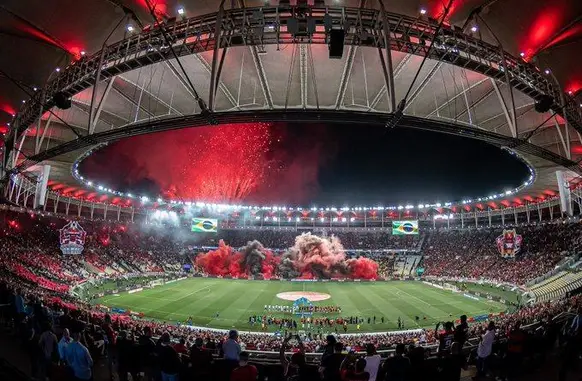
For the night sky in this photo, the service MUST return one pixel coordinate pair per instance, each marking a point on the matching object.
(332, 165)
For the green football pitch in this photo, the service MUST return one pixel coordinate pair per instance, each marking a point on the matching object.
(227, 303)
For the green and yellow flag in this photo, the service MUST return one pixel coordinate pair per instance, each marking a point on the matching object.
(204, 225)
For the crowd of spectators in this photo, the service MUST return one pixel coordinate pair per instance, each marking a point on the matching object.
(473, 253)
(139, 346)
(35, 280)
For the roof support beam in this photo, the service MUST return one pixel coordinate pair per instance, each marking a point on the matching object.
(77, 104)
(18, 151)
(150, 94)
(345, 78)
(498, 115)
(215, 73)
(313, 79)
(95, 87)
(383, 90)
(439, 108)
(510, 118)
(303, 74)
(137, 105)
(262, 76)
(180, 78)
(565, 146)
(39, 140)
(93, 124)
(219, 83)
(423, 84)
(386, 61)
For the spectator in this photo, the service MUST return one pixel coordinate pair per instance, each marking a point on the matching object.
(373, 360)
(245, 371)
(462, 331)
(484, 350)
(48, 343)
(180, 347)
(127, 361)
(453, 363)
(78, 358)
(358, 372)
(231, 352)
(515, 347)
(231, 347)
(169, 359)
(148, 357)
(64, 343)
(201, 360)
(330, 365)
(397, 367)
(296, 369)
(445, 337)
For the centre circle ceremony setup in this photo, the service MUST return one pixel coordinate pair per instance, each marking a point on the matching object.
(290, 190)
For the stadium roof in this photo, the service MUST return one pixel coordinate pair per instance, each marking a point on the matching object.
(144, 89)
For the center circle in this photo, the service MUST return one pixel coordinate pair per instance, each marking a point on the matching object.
(309, 295)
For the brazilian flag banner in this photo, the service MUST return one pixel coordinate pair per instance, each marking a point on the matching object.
(204, 225)
(404, 227)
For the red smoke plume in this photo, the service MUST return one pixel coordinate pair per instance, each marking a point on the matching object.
(363, 268)
(217, 262)
(311, 257)
(225, 261)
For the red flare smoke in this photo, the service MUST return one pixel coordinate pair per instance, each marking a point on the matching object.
(363, 268)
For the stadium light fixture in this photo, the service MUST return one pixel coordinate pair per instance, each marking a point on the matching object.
(423, 11)
(181, 11)
(23, 101)
(83, 53)
(130, 28)
(438, 204)
(58, 69)
(547, 71)
(90, 183)
(159, 199)
(100, 187)
(474, 28)
(34, 88)
(522, 54)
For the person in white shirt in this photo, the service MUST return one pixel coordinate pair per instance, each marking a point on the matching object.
(373, 360)
(484, 349)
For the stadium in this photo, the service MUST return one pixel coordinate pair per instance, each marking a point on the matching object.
(290, 190)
